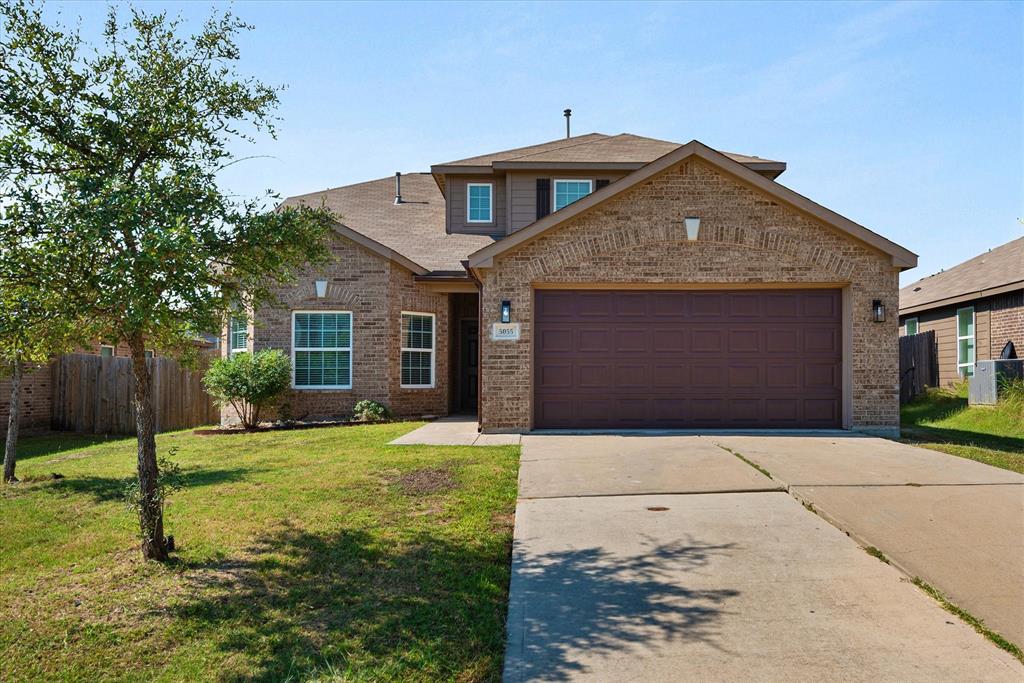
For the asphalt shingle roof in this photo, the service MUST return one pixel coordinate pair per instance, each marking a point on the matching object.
(593, 147)
(997, 267)
(414, 229)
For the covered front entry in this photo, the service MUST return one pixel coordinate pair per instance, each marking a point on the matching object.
(718, 359)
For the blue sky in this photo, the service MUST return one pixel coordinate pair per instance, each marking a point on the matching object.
(905, 117)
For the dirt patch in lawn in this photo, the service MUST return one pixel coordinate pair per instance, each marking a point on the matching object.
(427, 480)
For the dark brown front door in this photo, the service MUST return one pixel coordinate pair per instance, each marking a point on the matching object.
(688, 359)
(469, 363)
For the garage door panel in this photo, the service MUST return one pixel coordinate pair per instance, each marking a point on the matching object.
(595, 340)
(688, 359)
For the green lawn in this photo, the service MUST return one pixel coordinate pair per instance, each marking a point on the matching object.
(941, 420)
(315, 554)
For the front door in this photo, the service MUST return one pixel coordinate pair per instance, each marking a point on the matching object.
(469, 358)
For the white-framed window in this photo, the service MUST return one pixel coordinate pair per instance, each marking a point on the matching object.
(911, 326)
(150, 354)
(417, 350)
(965, 341)
(238, 335)
(568, 191)
(106, 351)
(322, 349)
(479, 203)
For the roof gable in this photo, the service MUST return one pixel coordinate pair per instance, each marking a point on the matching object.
(901, 257)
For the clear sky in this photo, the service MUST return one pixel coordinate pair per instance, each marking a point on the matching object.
(905, 117)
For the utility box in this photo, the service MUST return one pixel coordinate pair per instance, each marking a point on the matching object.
(983, 386)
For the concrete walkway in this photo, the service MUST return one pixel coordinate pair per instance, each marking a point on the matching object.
(613, 582)
(454, 430)
(956, 523)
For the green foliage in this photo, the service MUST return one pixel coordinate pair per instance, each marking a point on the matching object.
(108, 164)
(371, 411)
(249, 382)
(168, 481)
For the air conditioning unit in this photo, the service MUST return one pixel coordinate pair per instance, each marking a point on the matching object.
(983, 386)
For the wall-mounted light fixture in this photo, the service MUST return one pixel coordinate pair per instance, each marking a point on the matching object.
(321, 288)
(692, 227)
(878, 311)
(506, 311)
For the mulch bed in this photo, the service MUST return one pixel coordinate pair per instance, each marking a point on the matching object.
(283, 427)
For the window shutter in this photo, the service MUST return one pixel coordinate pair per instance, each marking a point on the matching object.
(603, 182)
(543, 197)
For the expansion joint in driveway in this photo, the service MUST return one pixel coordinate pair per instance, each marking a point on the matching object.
(766, 489)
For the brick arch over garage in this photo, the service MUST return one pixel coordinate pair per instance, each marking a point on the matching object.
(748, 239)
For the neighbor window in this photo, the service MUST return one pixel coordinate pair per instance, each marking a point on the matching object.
(568, 191)
(417, 350)
(150, 354)
(911, 326)
(238, 336)
(965, 341)
(480, 205)
(106, 351)
(322, 350)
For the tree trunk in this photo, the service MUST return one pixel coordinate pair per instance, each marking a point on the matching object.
(151, 517)
(11, 445)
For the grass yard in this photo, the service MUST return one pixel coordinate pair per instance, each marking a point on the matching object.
(941, 420)
(315, 554)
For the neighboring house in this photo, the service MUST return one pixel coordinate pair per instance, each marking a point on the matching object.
(594, 282)
(974, 309)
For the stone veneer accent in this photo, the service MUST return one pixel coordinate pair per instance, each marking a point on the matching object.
(746, 238)
(376, 291)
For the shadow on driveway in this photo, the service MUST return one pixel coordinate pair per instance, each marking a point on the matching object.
(592, 601)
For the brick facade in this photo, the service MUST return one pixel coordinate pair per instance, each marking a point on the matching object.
(1007, 322)
(36, 401)
(375, 291)
(746, 239)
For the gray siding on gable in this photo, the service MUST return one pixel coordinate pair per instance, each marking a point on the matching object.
(523, 195)
(456, 205)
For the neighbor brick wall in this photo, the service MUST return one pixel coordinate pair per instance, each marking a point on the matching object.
(1007, 322)
(36, 401)
(746, 237)
(375, 291)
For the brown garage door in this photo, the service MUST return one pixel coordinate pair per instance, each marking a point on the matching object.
(687, 359)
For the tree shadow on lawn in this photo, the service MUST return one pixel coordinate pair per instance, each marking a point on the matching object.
(357, 605)
(962, 437)
(55, 443)
(587, 602)
(106, 489)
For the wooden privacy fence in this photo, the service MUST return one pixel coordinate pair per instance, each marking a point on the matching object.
(919, 364)
(96, 395)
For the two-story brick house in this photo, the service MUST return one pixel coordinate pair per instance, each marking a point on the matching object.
(595, 282)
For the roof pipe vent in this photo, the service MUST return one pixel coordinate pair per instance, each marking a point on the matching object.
(567, 114)
(398, 187)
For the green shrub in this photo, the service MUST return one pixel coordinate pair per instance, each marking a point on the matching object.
(371, 411)
(248, 382)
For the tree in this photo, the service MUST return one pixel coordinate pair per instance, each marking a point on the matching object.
(119, 149)
(32, 330)
(249, 382)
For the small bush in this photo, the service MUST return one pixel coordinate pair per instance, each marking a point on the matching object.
(249, 382)
(371, 411)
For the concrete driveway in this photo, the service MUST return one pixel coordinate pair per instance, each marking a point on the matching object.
(956, 523)
(669, 558)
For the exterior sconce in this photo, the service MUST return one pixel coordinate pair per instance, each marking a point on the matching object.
(878, 311)
(506, 311)
(321, 288)
(692, 227)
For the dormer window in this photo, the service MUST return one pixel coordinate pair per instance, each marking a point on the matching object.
(480, 202)
(568, 191)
